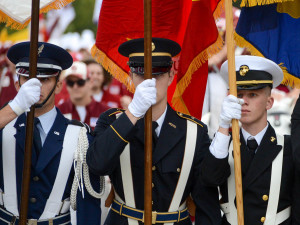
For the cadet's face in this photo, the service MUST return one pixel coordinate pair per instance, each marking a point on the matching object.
(77, 91)
(163, 81)
(47, 85)
(257, 102)
(96, 75)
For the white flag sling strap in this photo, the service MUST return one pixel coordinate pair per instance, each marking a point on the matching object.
(272, 217)
(54, 202)
(9, 168)
(190, 146)
(127, 181)
(128, 188)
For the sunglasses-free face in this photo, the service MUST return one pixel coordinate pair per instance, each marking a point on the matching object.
(71, 83)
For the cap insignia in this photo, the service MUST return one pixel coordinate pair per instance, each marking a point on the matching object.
(243, 70)
(40, 49)
(153, 46)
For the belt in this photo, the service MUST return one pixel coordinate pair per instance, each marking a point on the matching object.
(157, 217)
(13, 220)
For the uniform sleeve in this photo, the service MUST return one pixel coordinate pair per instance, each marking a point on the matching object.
(295, 121)
(296, 200)
(206, 198)
(215, 171)
(88, 208)
(111, 137)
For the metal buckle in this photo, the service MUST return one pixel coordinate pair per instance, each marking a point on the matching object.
(50, 221)
(32, 222)
(154, 215)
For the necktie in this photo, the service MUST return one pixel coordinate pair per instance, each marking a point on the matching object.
(154, 135)
(37, 141)
(252, 146)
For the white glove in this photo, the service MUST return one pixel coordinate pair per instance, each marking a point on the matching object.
(231, 109)
(144, 97)
(28, 95)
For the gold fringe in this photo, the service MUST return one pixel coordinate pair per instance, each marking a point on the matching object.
(219, 9)
(112, 68)
(251, 3)
(288, 79)
(10, 22)
(197, 62)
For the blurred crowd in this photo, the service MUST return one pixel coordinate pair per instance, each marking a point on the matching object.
(87, 91)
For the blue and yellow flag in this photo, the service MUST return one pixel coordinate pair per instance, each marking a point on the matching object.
(273, 31)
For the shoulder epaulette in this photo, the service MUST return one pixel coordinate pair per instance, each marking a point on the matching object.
(191, 118)
(115, 111)
(81, 124)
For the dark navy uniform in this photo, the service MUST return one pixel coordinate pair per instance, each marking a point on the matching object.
(43, 172)
(271, 190)
(52, 151)
(111, 137)
(256, 181)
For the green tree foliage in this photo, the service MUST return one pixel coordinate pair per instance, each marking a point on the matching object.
(84, 13)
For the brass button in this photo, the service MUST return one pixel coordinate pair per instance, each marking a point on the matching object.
(178, 170)
(36, 178)
(33, 200)
(153, 168)
(262, 219)
(265, 197)
(152, 185)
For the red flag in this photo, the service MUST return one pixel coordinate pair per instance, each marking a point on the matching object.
(120, 21)
(200, 42)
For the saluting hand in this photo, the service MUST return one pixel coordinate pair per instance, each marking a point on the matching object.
(28, 95)
(144, 97)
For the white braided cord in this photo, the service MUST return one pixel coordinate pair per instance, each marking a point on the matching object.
(82, 171)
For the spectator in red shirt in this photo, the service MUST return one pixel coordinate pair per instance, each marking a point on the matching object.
(81, 106)
(99, 79)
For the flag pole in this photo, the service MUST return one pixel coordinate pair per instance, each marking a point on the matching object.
(30, 115)
(235, 124)
(148, 116)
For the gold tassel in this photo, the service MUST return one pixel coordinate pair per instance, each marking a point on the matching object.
(219, 9)
(10, 22)
(288, 79)
(197, 62)
(251, 3)
(112, 68)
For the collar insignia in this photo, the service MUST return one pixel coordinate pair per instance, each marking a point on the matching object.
(55, 132)
(21, 125)
(172, 125)
(272, 139)
(243, 70)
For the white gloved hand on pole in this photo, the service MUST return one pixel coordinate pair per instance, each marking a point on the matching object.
(231, 109)
(144, 97)
(28, 95)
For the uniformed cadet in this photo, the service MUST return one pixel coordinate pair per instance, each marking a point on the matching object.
(54, 143)
(270, 182)
(180, 142)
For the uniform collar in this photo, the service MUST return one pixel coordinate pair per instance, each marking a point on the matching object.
(47, 120)
(160, 121)
(257, 137)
